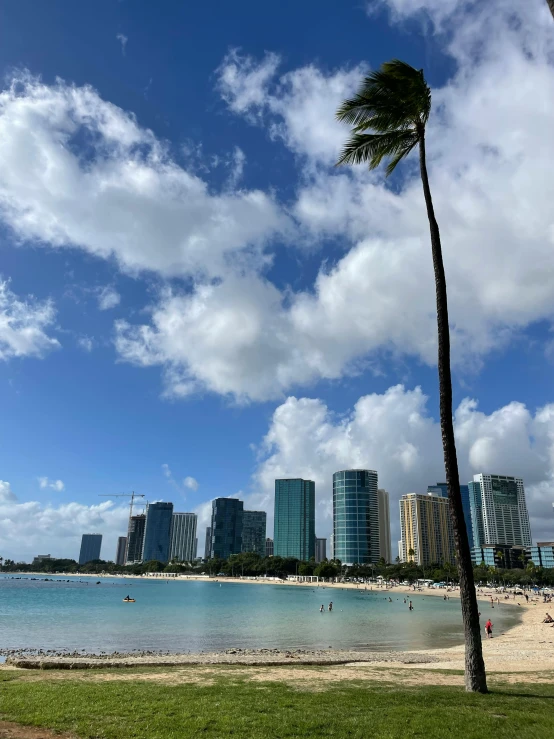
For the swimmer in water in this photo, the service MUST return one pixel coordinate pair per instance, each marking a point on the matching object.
(322, 608)
(410, 607)
(330, 606)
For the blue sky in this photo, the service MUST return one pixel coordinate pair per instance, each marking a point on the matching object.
(179, 257)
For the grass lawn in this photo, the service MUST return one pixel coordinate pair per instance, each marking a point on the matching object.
(234, 706)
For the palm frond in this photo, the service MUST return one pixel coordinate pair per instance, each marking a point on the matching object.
(371, 149)
(394, 103)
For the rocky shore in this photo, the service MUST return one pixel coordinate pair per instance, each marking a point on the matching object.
(64, 660)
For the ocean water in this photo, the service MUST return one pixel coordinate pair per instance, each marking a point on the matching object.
(205, 616)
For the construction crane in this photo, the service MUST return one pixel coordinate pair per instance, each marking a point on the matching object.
(131, 495)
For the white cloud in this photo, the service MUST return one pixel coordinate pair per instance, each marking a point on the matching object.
(191, 483)
(6, 493)
(123, 41)
(300, 105)
(23, 325)
(394, 434)
(166, 470)
(45, 482)
(122, 198)
(31, 528)
(108, 297)
(243, 82)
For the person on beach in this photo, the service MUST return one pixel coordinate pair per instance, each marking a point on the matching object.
(330, 606)
(488, 629)
(322, 608)
(410, 607)
(548, 619)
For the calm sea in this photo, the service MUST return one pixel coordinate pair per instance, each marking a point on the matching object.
(196, 616)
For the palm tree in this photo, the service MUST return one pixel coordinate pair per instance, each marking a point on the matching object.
(411, 554)
(551, 6)
(393, 104)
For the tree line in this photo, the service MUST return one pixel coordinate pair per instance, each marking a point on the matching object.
(250, 564)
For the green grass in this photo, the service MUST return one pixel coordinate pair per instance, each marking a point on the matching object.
(237, 707)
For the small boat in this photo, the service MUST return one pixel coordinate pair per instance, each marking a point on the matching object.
(128, 600)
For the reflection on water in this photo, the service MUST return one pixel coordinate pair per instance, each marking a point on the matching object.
(205, 616)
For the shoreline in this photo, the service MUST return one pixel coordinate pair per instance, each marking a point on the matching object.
(525, 646)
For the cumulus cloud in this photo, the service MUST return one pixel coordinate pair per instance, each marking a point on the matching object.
(6, 492)
(108, 297)
(394, 434)
(299, 107)
(191, 483)
(31, 528)
(23, 325)
(120, 196)
(45, 482)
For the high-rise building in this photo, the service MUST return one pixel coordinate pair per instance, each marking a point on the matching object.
(400, 551)
(90, 548)
(384, 525)
(427, 534)
(253, 532)
(269, 547)
(157, 532)
(135, 538)
(208, 543)
(498, 511)
(182, 543)
(332, 546)
(120, 551)
(226, 527)
(294, 522)
(441, 488)
(320, 549)
(356, 517)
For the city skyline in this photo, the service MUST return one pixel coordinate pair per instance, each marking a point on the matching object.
(511, 508)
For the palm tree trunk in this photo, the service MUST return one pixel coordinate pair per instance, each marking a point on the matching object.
(475, 676)
(551, 6)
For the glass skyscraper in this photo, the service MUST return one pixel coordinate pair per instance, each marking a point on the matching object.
(135, 538)
(90, 548)
(208, 543)
(157, 532)
(226, 527)
(356, 517)
(253, 532)
(442, 489)
(120, 551)
(498, 511)
(294, 521)
(182, 544)
(384, 525)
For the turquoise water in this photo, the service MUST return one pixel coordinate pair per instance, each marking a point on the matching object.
(196, 616)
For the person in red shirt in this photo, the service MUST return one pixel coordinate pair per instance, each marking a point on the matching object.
(488, 629)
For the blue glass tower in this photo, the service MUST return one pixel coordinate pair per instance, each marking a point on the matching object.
(226, 528)
(294, 524)
(441, 489)
(90, 548)
(157, 532)
(356, 517)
